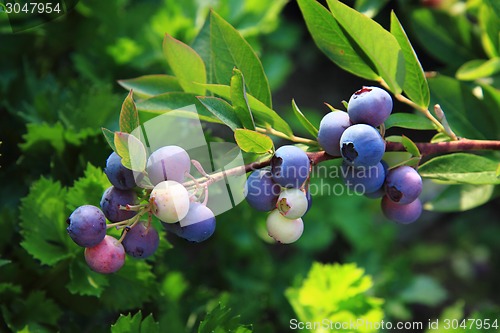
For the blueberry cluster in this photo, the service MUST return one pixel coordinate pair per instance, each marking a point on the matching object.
(353, 135)
(280, 189)
(169, 200)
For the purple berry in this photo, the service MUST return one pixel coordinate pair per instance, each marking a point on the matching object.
(261, 191)
(331, 128)
(290, 166)
(119, 176)
(370, 105)
(87, 226)
(141, 241)
(168, 163)
(381, 191)
(361, 146)
(403, 184)
(111, 201)
(199, 223)
(364, 179)
(404, 214)
(106, 257)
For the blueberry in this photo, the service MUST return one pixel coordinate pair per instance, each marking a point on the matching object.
(106, 257)
(290, 166)
(111, 201)
(331, 128)
(404, 214)
(171, 201)
(370, 105)
(403, 184)
(283, 230)
(261, 191)
(119, 176)
(381, 191)
(198, 225)
(141, 241)
(292, 203)
(364, 179)
(87, 226)
(168, 163)
(361, 146)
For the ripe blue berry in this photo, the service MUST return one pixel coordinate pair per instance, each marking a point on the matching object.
(331, 128)
(361, 145)
(403, 184)
(106, 257)
(283, 230)
(111, 201)
(404, 214)
(119, 176)
(292, 203)
(370, 105)
(261, 191)
(381, 191)
(198, 225)
(290, 166)
(168, 163)
(87, 226)
(141, 241)
(364, 179)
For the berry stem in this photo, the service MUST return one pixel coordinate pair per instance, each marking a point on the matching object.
(282, 135)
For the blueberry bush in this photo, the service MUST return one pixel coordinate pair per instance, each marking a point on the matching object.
(202, 198)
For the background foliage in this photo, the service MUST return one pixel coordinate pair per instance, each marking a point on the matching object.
(58, 86)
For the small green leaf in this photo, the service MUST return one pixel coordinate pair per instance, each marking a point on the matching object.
(220, 320)
(410, 146)
(135, 324)
(151, 85)
(476, 69)
(129, 118)
(415, 84)
(333, 41)
(263, 115)
(131, 150)
(252, 141)
(458, 198)
(231, 50)
(461, 168)
(222, 110)
(424, 290)
(409, 120)
(87, 190)
(240, 101)
(186, 64)
(489, 22)
(110, 137)
(304, 121)
(370, 8)
(378, 44)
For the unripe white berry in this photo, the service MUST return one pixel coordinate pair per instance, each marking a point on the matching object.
(170, 201)
(284, 230)
(292, 203)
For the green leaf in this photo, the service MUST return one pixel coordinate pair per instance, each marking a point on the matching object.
(409, 120)
(131, 150)
(110, 137)
(410, 146)
(28, 310)
(176, 102)
(129, 118)
(415, 84)
(151, 85)
(333, 41)
(84, 281)
(263, 115)
(220, 319)
(458, 198)
(377, 43)
(43, 217)
(424, 290)
(489, 22)
(477, 69)
(222, 110)
(461, 168)
(240, 101)
(135, 324)
(304, 121)
(186, 64)
(252, 141)
(88, 189)
(398, 158)
(4, 262)
(370, 8)
(335, 292)
(231, 50)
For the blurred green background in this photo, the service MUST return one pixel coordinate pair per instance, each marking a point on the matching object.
(58, 87)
